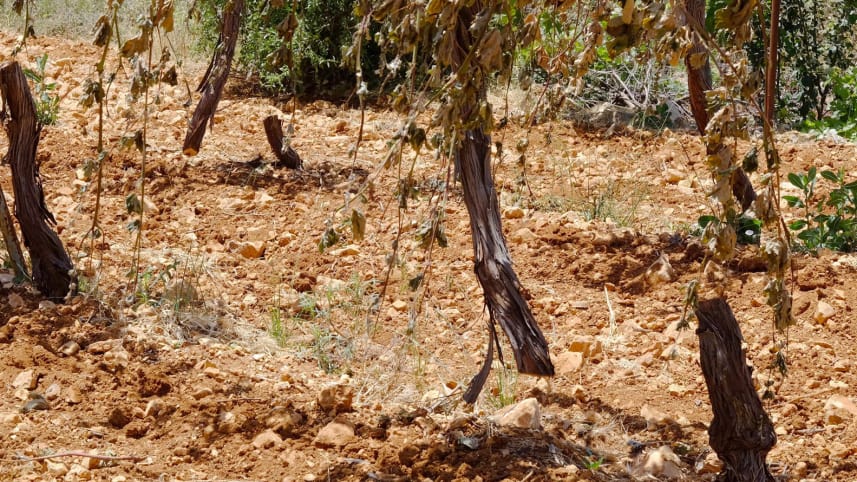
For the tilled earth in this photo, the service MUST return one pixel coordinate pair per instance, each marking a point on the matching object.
(246, 353)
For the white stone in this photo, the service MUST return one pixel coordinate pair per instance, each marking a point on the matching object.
(26, 379)
(346, 251)
(524, 414)
(823, 312)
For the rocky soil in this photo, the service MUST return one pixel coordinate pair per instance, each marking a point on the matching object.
(246, 353)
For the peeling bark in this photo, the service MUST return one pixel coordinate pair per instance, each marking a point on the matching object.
(492, 262)
(10, 239)
(741, 432)
(285, 154)
(215, 77)
(52, 268)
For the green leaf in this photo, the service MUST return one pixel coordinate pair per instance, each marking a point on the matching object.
(809, 235)
(830, 176)
(793, 201)
(704, 221)
(797, 181)
(797, 225)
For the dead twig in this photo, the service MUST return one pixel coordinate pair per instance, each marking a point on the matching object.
(241, 399)
(75, 453)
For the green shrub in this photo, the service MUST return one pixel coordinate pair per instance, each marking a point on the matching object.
(324, 30)
(841, 115)
(817, 39)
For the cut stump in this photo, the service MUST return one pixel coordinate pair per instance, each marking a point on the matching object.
(285, 154)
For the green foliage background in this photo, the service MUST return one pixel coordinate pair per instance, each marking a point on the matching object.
(325, 30)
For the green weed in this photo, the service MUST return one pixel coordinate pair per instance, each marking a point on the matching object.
(615, 200)
(593, 464)
(47, 102)
(277, 329)
(828, 222)
(503, 394)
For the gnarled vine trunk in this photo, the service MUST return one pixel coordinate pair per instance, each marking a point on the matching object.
(698, 83)
(492, 263)
(52, 268)
(285, 154)
(741, 432)
(215, 77)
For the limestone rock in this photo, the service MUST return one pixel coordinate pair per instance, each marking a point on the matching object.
(661, 271)
(53, 391)
(119, 417)
(26, 379)
(336, 398)
(346, 251)
(568, 363)
(823, 312)
(523, 235)
(673, 176)
(838, 409)
(711, 464)
(334, 434)
(252, 249)
(10, 418)
(15, 300)
(70, 348)
(57, 469)
(267, 439)
(73, 395)
(78, 472)
(662, 463)
(524, 414)
(586, 345)
(654, 417)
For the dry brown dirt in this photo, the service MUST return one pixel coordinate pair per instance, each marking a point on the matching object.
(205, 392)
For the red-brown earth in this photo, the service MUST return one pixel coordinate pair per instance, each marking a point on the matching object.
(278, 364)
